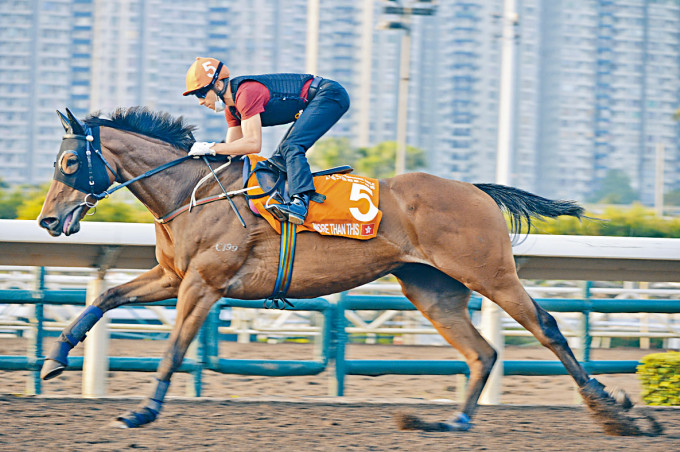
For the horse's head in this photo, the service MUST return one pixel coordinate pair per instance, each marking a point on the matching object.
(80, 178)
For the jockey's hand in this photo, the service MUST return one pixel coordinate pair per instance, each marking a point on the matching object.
(200, 148)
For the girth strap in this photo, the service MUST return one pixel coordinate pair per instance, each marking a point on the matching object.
(286, 259)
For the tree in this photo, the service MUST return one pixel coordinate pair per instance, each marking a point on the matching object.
(332, 152)
(614, 189)
(11, 199)
(634, 221)
(377, 161)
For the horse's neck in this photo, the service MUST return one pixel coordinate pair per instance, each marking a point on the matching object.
(164, 191)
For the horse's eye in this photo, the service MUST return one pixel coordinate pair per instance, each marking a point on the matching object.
(69, 162)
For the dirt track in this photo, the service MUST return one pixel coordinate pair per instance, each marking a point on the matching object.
(250, 413)
(30, 423)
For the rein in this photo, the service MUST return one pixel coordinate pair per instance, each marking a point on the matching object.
(99, 196)
(199, 202)
(163, 167)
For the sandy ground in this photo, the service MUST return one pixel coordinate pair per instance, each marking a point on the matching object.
(320, 425)
(294, 413)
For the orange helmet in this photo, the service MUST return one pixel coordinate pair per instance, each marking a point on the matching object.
(204, 72)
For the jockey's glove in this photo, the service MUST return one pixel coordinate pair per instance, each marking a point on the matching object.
(201, 148)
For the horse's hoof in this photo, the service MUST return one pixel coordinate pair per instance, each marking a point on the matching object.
(51, 369)
(613, 412)
(134, 419)
(622, 399)
(117, 424)
(460, 423)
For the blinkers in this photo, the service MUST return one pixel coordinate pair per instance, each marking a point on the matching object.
(80, 164)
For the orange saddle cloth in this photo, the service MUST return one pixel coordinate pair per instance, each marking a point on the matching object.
(350, 209)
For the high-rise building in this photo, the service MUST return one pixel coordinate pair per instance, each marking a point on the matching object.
(465, 91)
(610, 82)
(597, 81)
(87, 55)
(44, 63)
(141, 51)
(268, 36)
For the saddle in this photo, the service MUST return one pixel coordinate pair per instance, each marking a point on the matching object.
(271, 176)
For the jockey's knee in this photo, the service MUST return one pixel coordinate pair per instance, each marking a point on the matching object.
(290, 150)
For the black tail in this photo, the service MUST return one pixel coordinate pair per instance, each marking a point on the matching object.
(522, 206)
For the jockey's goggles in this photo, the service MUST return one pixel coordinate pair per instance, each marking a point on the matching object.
(202, 92)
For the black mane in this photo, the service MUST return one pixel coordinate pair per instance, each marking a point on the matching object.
(153, 124)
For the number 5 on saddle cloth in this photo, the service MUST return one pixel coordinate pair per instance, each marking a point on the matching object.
(351, 210)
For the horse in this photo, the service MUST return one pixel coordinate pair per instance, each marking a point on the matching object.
(441, 239)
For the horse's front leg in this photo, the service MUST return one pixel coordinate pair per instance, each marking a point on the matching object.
(193, 305)
(156, 284)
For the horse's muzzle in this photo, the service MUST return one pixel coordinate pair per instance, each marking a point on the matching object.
(51, 224)
(69, 225)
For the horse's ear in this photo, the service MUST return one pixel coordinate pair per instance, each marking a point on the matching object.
(64, 121)
(76, 125)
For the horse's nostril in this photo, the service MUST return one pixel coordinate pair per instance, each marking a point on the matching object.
(48, 221)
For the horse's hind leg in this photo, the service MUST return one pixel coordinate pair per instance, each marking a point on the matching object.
(507, 291)
(194, 301)
(444, 301)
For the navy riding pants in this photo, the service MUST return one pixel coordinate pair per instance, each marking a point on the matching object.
(322, 112)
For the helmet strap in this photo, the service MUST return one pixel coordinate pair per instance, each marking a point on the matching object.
(222, 92)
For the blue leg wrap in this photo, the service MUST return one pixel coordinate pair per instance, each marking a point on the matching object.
(156, 400)
(460, 423)
(74, 333)
(134, 419)
(149, 409)
(77, 330)
(60, 352)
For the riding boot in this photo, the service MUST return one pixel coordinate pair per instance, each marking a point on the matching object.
(296, 210)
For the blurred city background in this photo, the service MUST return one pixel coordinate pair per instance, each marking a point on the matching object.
(595, 94)
(575, 99)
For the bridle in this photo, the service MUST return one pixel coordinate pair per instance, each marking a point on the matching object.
(95, 182)
(82, 144)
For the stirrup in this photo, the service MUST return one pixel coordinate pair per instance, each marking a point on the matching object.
(287, 212)
(282, 215)
(274, 210)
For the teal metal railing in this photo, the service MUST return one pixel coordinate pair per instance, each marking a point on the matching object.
(333, 339)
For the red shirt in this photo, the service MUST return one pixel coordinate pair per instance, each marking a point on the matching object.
(251, 99)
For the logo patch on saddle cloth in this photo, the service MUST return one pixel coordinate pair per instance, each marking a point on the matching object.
(350, 210)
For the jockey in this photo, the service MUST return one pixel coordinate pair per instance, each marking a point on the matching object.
(312, 104)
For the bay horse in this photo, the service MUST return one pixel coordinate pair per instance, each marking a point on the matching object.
(441, 239)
